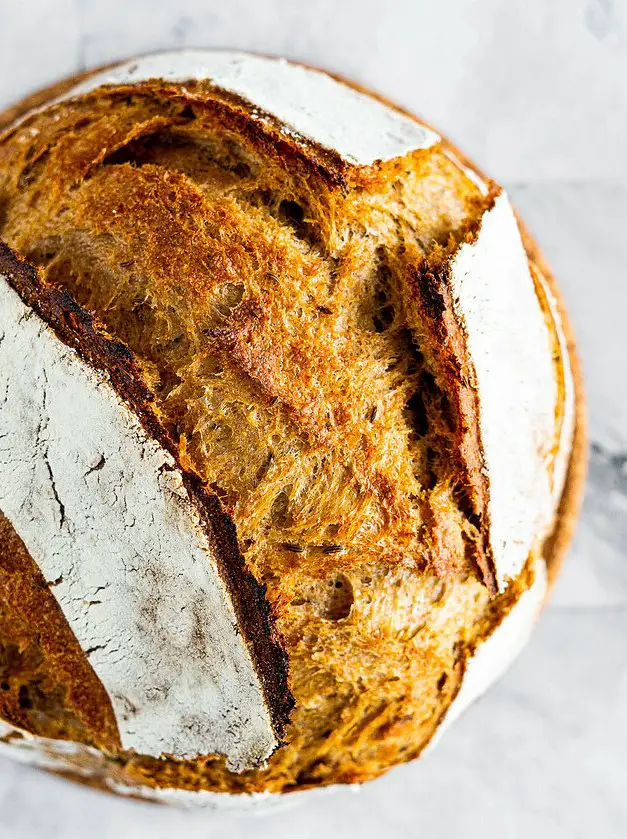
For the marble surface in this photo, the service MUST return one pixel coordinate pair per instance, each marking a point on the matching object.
(535, 91)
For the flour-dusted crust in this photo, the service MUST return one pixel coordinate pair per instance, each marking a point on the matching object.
(509, 347)
(565, 378)
(307, 103)
(105, 513)
(253, 82)
(123, 545)
(92, 767)
(563, 374)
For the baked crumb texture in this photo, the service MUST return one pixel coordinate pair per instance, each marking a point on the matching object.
(297, 340)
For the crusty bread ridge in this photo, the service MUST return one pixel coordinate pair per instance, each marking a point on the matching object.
(368, 754)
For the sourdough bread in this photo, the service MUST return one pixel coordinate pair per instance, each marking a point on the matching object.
(322, 413)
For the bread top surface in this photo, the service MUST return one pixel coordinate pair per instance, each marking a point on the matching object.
(268, 285)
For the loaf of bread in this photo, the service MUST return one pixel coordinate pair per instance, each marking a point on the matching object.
(290, 428)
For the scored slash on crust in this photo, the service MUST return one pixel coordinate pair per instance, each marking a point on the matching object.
(194, 530)
(480, 303)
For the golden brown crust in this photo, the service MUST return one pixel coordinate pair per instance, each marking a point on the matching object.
(391, 716)
(558, 542)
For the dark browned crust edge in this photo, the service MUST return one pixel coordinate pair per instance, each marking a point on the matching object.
(82, 332)
(453, 366)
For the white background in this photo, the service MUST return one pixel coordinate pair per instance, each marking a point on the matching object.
(536, 92)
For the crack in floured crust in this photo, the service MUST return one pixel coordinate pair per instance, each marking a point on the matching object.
(341, 233)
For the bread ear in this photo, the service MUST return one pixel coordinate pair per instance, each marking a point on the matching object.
(146, 565)
(495, 331)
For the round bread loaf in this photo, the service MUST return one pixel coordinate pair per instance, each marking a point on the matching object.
(291, 428)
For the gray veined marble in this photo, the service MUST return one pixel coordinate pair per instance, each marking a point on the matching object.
(536, 92)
